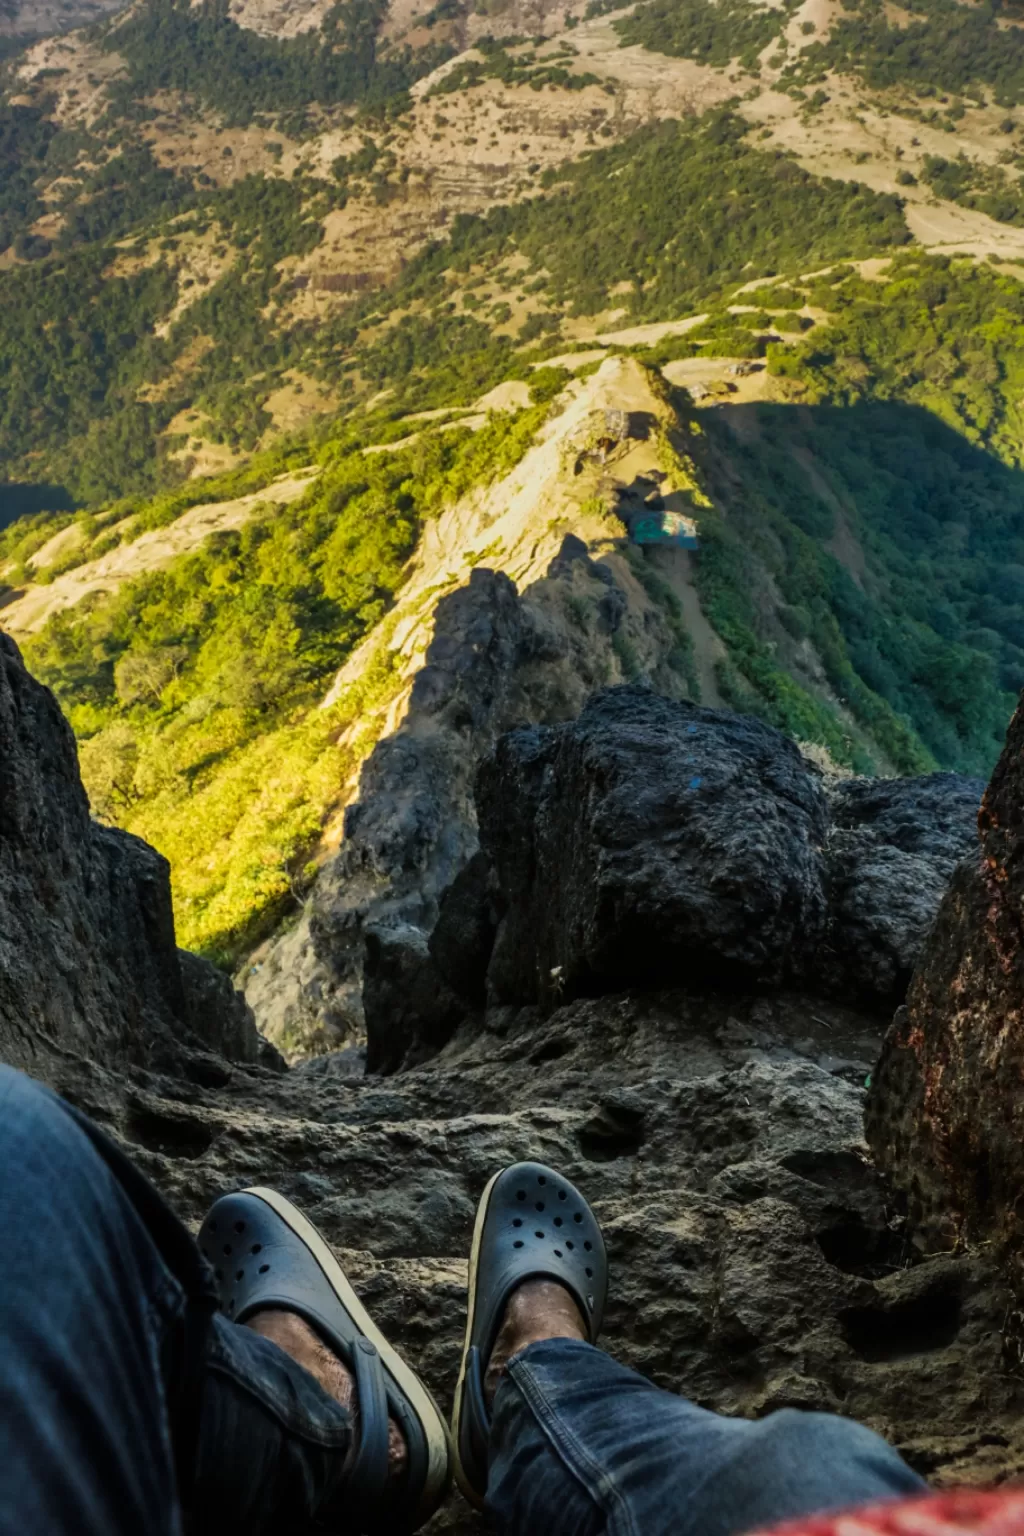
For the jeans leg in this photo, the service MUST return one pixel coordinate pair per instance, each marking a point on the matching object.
(98, 1280)
(85, 1307)
(272, 1444)
(581, 1445)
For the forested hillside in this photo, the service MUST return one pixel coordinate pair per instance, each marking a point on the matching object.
(281, 288)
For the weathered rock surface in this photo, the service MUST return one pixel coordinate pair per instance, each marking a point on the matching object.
(946, 1111)
(892, 848)
(756, 1259)
(649, 841)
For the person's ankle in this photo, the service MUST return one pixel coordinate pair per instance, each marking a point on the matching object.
(294, 1335)
(537, 1310)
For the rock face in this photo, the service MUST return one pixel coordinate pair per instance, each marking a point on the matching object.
(946, 1110)
(218, 1014)
(467, 925)
(88, 961)
(411, 1010)
(893, 846)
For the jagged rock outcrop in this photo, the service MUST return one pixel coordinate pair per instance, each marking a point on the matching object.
(88, 962)
(946, 1109)
(892, 848)
(497, 658)
(654, 841)
(651, 841)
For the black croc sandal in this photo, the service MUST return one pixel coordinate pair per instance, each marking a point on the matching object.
(531, 1224)
(265, 1253)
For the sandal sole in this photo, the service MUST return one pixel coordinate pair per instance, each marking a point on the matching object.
(465, 1486)
(440, 1451)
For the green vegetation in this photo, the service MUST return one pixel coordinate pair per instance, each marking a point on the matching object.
(195, 689)
(25, 137)
(74, 345)
(78, 346)
(129, 189)
(172, 45)
(713, 31)
(11, 46)
(952, 48)
(941, 334)
(917, 428)
(678, 210)
(498, 64)
(973, 185)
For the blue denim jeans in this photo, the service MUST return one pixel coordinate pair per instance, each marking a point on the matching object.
(123, 1397)
(580, 1445)
(128, 1405)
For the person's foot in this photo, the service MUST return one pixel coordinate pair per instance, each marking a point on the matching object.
(539, 1309)
(294, 1335)
(537, 1270)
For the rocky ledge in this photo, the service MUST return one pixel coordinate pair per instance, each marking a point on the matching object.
(668, 970)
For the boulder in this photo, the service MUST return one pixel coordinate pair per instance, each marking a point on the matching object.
(945, 1114)
(651, 841)
(892, 848)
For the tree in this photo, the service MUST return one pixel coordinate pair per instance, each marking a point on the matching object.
(141, 675)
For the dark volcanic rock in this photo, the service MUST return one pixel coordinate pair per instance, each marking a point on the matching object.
(410, 1011)
(218, 1014)
(892, 848)
(467, 924)
(88, 961)
(946, 1109)
(651, 841)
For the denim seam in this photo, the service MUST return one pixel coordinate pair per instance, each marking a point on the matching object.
(291, 1421)
(596, 1483)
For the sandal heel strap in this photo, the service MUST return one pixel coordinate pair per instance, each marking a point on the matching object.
(479, 1414)
(368, 1474)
